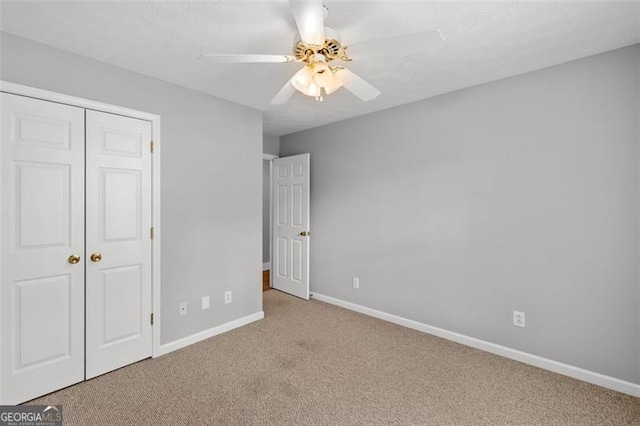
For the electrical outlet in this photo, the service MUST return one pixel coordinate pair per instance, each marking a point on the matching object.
(205, 302)
(356, 282)
(518, 319)
(183, 309)
(227, 297)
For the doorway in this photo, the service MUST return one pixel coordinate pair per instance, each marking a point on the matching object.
(267, 166)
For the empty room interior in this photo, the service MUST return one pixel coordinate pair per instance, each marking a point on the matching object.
(320, 212)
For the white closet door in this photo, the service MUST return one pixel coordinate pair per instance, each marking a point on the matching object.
(42, 227)
(118, 241)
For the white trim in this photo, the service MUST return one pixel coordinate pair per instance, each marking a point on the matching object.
(609, 382)
(156, 242)
(271, 212)
(198, 337)
(32, 92)
(269, 157)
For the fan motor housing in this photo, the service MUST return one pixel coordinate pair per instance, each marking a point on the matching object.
(332, 49)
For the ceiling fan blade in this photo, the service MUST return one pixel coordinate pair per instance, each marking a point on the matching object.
(357, 85)
(284, 94)
(309, 16)
(400, 45)
(222, 58)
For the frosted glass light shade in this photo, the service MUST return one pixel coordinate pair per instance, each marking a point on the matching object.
(336, 83)
(314, 81)
(302, 79)
(322, 75)
(312, 90)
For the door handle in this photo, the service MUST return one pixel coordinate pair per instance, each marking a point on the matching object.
(73, 259)
(96, 257)
(304, 233)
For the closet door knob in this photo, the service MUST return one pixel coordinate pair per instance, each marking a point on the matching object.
(96, 257)
(73, 259)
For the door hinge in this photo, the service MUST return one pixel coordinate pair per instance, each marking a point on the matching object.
(151, 319)
(151, 146)
(151, 232)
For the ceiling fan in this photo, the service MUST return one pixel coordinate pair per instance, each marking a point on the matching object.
(318, 47)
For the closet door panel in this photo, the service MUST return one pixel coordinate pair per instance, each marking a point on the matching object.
(42, 226)
(118, 231)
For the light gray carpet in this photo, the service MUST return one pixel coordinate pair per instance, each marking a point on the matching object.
(313, 363)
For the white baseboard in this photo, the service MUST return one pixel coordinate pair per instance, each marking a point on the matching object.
(266, 266)
(198, 337)
(608, 382)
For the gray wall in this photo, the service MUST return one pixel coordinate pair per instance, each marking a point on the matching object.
(270, 145)
(521, 194)
(211, 156)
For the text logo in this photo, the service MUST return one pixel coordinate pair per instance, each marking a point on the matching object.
(31, 415)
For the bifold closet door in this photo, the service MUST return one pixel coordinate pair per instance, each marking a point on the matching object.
(42, 254)
(118, 242)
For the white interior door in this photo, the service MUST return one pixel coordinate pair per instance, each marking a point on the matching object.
(118, 277)
(290, 203)
(42, 227)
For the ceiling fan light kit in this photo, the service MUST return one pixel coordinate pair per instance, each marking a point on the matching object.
(317, 46)
(316, 78)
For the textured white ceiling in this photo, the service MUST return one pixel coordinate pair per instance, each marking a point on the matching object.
(484, 42)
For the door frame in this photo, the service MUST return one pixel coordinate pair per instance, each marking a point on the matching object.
(270, 158)
(45, 95)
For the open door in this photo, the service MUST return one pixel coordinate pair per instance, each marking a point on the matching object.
(290, 204)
